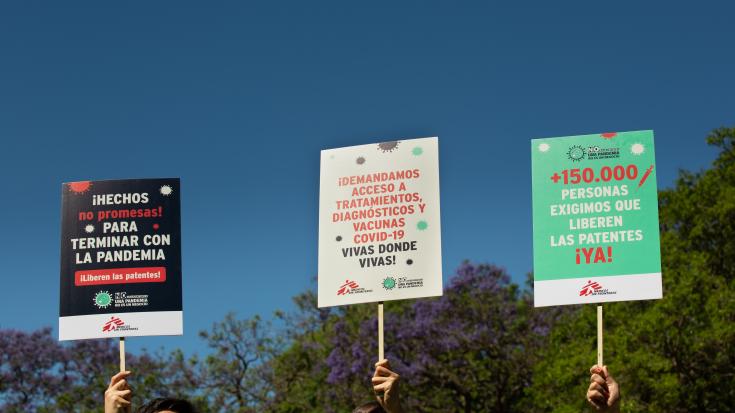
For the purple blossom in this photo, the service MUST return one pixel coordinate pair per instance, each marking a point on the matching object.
(483, 322)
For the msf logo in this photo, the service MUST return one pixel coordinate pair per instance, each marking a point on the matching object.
(347, 287)
(590, 288)
(113, 324)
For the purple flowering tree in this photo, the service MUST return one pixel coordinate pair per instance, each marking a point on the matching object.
(29, 363)
(470, 350)
(39, 374)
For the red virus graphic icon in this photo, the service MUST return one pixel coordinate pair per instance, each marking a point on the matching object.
(608, 135)
(113, 324)
(347, 287)
(590, 288)
(79, 187)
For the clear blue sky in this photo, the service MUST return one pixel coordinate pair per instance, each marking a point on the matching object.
(238, 98)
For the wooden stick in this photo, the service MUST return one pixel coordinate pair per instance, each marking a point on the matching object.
(381, 350)
(599, 336)
(122, 353)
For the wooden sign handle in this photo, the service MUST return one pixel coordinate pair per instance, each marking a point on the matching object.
(381, 350)
(599, 336)
(122, 353)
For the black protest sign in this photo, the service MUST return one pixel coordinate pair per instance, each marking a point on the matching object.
(120, 259)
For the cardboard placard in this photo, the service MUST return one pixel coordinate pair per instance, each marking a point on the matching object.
(379, 222)
(120, 259)
(595, 219)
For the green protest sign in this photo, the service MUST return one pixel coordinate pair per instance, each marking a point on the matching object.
(595, 219)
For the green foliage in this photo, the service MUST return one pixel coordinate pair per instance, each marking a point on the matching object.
(298, 372)
(235, 376)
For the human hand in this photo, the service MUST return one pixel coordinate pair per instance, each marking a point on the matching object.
(385, 382)
(604, 392)
(118, 394)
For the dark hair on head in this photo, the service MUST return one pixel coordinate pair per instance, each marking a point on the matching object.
(161, 404)
(372, 407)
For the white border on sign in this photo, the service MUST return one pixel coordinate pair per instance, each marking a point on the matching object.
(154, 323)
(608, 289)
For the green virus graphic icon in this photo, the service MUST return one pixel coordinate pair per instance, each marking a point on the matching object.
(422, 225)
(417, 151)
(576, 153)
(103, 299)
(389, 283)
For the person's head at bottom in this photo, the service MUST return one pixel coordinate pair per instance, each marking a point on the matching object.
(119, 395)
(166, 405)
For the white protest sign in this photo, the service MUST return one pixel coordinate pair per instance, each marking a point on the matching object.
(379, 222)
